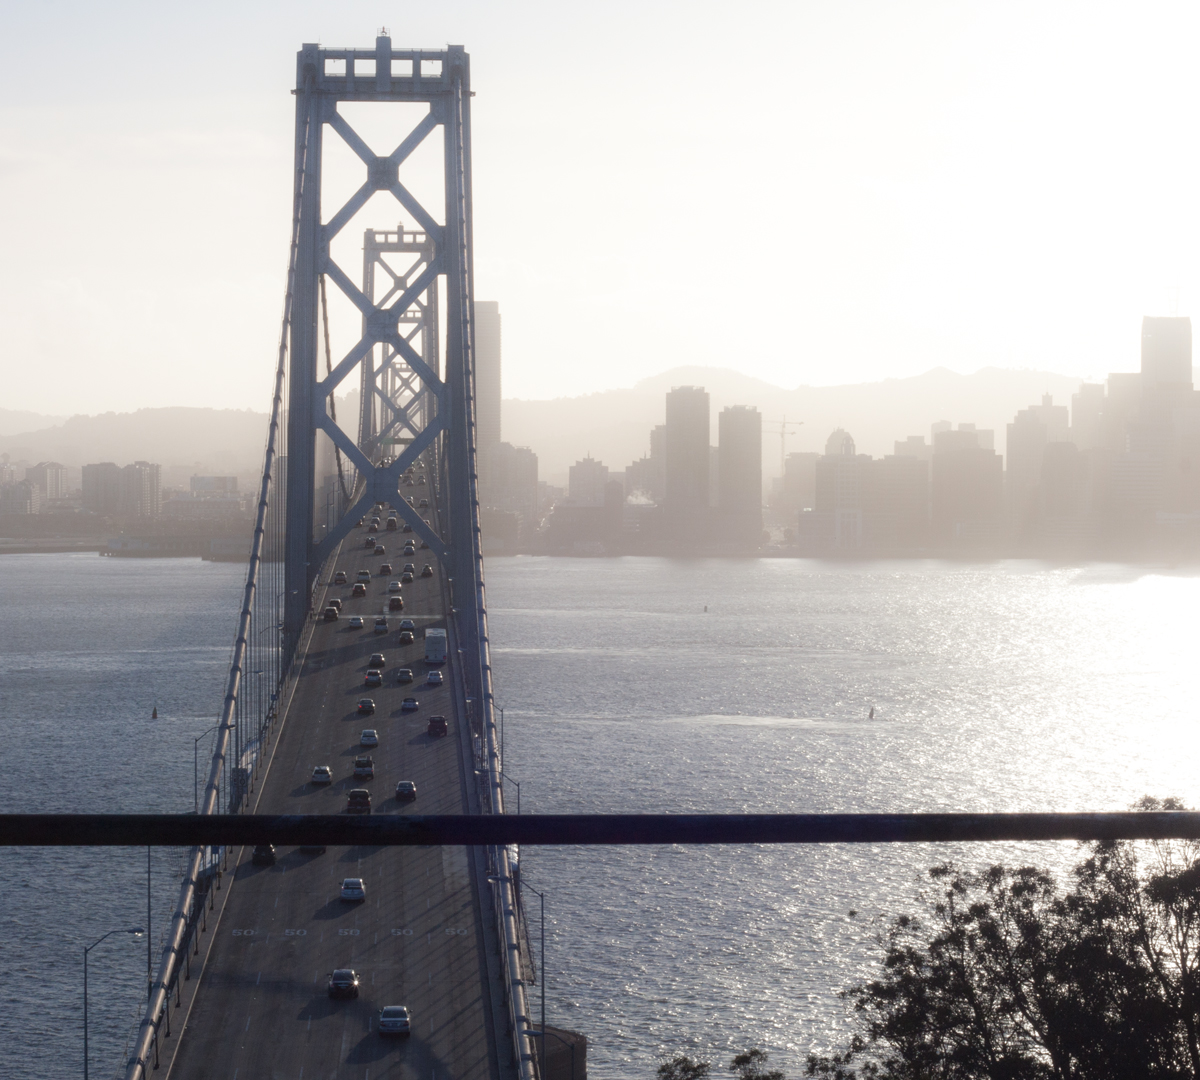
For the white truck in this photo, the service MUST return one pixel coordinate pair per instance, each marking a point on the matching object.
(435, 645)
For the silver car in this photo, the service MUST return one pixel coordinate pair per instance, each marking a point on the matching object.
(394, 1020)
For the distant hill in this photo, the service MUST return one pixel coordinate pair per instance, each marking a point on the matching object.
(614, 426)
(210, 441)
(15, 421)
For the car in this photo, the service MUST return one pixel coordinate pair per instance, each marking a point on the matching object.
(394, 1020)
(411, 549)
(337, 603)
(353, 889)
(381, 624)
(343, 983)
(437, 726)
(396, 603)
(364, 767)
(409, 568)
(363, 577)
(369, 542)
(369, 737)
(427, 570)
(407, 527)
(407, 624)
(339, 578)
(264, 855)
(373, 527)
(434, 678)
(409, 704)
(358, 801)
(366, 706)
(380, 549)
(406, 578)
(385, 569)
(393, 586)
(359, 589)
(404, 675)
(376, 661)
(330, 614)
(373, 678)
(424, 543)
(406, 637)
(408, 482)
(420, 479)
(322, 774)
(359, 525)
(423, 504)
(356, 621)
(406, 791)
(391, 524)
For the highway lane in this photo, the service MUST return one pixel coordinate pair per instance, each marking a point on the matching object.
(417, 940)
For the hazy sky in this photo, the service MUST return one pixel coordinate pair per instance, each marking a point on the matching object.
(807, 192)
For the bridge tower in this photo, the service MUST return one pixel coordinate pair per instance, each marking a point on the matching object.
(409, 404)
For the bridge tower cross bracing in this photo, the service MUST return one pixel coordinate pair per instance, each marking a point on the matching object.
(405, 396)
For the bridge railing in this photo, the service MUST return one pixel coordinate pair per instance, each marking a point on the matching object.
(247, 713)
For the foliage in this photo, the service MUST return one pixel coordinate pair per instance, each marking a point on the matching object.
(683, 1068)
(1007, 976)
(750, 1066)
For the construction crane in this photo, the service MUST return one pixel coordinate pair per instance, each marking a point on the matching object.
(783, 428)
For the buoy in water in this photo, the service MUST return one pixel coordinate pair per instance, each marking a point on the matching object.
(154, 713)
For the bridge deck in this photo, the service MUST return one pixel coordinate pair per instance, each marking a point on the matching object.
(418, 939)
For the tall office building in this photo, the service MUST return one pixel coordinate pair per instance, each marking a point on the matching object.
(487, 374)
(50, 478)
(586, 482)
(1167, 352)
(141, 489)
(1031, 431)
(686, 451)
(102, 488)
(739, 471)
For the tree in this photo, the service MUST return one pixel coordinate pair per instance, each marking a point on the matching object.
(750, 1066)
(683, 1068)
(1007, 976)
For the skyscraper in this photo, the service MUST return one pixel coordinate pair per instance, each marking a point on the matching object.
(686, 448)
(487, 374)
(739, 471)
(1167, 352)
(102, 488)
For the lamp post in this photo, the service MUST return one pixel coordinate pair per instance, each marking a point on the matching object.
(136, 931)
(518, 783)
(196, 768)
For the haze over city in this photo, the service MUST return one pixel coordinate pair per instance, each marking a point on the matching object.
(807, 194)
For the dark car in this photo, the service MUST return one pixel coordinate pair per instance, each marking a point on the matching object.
(406, 578)
(373, 677)
(369, 543)
(358, 801)
(337, 603)
(408, 568)
(404, 675)
(407, 527)
(395, 603)
(377, 660)
(330, 614)
(438, 726)
(391, 524)
(364, 767)
(359, 589)
(264, 855)
(424, 504)
(385, 569)
(366, 706)
(427, 570)
(343, 983)
(406, 637)
(380, 549)
(373, 527)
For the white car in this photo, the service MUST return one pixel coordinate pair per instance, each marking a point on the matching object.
(322, 774)
(434, 678)
(369, 737)
(394, 1020)
(356, 622)
(353, 889)
(364, 576)
(393, 586)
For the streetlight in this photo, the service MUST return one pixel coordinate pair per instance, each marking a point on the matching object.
(196, 768)
(136, 931)
(518, 783)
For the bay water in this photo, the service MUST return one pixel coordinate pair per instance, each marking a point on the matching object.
(633, 684)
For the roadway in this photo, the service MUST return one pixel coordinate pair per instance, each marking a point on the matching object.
(418, 939)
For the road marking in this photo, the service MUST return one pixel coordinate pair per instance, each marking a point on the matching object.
(247, 1027)
(256, 982)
